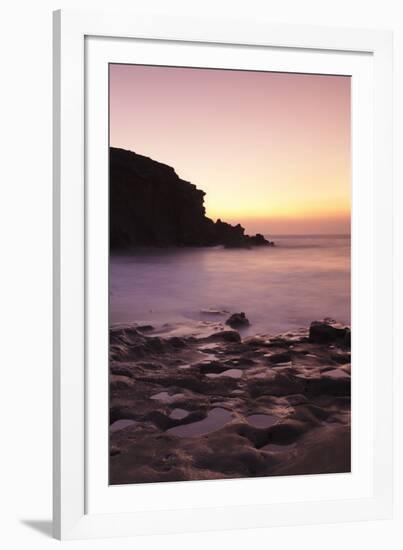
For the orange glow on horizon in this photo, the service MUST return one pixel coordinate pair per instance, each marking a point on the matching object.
(319, 210)
(269, 148)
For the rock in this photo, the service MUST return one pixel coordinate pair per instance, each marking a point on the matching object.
(297, 399)
(326, 449)
(237, 320)
(327, 385)
(328, 331)
(234, 236)
(281, 357)
(159, 405)
(224, 335)
(259, 240)
(341, 357)
(287, 432)
(212, 367)
(177, 342)
(151, 206)
(145, 328)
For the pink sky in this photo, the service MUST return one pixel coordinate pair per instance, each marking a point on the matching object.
(271, 150)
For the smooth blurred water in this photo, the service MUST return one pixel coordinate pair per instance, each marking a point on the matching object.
(301, 279)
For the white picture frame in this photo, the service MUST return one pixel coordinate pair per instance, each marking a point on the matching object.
(84, 506)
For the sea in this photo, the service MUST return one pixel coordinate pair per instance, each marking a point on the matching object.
(282, 288)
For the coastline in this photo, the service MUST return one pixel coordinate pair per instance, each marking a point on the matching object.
(150, 205)
(200, 401)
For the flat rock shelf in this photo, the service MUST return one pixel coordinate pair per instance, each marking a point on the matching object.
(210, 404)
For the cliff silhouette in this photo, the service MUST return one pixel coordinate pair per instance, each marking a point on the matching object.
(151, 206)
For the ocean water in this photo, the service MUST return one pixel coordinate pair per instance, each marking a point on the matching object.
(301, 279)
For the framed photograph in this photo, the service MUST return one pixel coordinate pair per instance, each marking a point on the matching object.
(223, 274)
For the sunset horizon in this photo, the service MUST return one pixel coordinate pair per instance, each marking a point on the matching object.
(280, 166)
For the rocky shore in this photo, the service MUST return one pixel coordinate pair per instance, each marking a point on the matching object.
(201, 402)
(151, 206)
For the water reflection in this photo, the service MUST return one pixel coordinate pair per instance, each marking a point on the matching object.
(215, 419)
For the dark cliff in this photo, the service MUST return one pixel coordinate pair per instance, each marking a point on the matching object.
(151, 206)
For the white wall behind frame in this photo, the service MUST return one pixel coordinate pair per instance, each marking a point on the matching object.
(26, 271)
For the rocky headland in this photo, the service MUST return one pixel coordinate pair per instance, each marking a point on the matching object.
(201, 402)
(151, 206)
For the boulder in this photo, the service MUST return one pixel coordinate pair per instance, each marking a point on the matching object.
(328, 331)
(238, 320)
(259, 240)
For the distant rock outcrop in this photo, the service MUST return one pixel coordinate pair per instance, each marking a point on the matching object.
(151, 206)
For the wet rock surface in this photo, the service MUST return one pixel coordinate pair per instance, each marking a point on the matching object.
(205, 403)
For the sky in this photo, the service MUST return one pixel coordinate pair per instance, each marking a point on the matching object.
(271, 150)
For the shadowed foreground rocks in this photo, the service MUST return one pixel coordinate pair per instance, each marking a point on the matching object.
(151, 206)
(212, 405)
